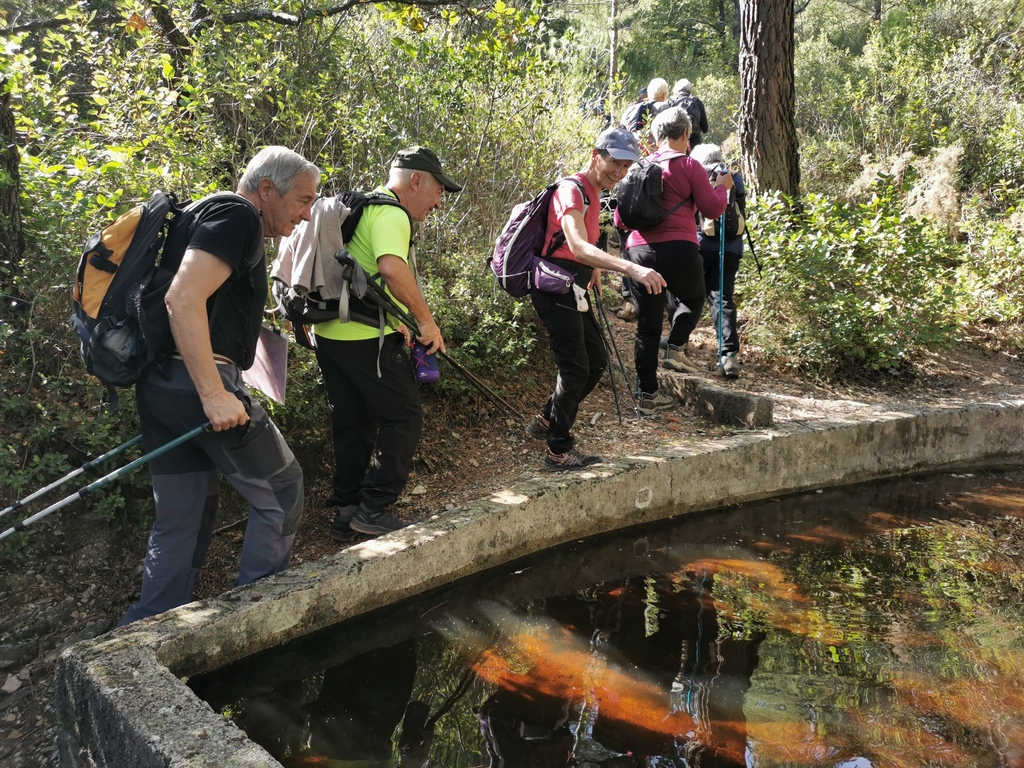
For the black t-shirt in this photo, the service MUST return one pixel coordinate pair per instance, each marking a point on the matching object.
(229, 227)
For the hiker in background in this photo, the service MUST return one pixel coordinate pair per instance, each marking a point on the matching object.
(710, 157)
(634, 114)
(376, 416)
(657, 91)
(637, 117)
(576, 340)
(682, 96)
(671, 248)
(202, 381)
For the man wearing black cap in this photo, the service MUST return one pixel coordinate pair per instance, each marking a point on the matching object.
(375, 404)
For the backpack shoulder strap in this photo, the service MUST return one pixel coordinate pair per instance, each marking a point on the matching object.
(668, 158)
(358, 201)
(196, 208)
(381, 198)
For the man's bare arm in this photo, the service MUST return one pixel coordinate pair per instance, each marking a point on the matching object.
(402, 284)
(200, 274)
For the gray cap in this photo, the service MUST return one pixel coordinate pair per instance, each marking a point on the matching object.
(619, 143)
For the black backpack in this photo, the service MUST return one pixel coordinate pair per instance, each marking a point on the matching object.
(639, 195)
(692, 108)
(120, 284)
(637, 116)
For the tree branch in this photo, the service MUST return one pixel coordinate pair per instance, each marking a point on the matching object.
(240, 17)
(41, 24)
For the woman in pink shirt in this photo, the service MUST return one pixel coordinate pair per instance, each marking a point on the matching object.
(572, 329)
(671, 248)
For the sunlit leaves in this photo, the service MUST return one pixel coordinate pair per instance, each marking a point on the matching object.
(851, 287)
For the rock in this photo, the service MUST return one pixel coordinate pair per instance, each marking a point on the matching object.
(14, 655)
(12, 684)
(419, 490)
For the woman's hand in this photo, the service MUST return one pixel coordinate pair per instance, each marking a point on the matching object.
(648, 278)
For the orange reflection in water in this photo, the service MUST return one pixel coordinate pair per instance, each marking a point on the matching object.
(776, 599)
(537, 661)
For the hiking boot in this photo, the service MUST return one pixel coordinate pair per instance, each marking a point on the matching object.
(340, 529)
(729, 366)
(676, 360)
(538, 428)
(376, 522)
(650, 404)
(626, 312)
(570, 461)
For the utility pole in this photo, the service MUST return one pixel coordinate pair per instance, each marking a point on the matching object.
(612, 63)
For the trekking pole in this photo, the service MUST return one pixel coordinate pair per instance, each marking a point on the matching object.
(753, 253)
(381, 298)
(618, 356)
(107, 479)
(721, 287)
(87, 467)
(615, 346)
(608, 352)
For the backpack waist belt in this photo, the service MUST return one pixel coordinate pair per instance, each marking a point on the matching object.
(219, 359)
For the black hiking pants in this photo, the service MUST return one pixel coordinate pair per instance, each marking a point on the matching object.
(580, 357)
(375, 421)
(680, 263)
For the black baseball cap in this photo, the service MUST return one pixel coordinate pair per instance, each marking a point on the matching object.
(422, 159)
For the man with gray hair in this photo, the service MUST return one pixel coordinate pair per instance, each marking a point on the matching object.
(376, 416)
(215, 306)
(682, 96)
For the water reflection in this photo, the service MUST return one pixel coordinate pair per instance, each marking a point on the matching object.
(880, 626)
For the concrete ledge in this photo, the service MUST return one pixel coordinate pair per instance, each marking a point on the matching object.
(120, 700)
(732, 407)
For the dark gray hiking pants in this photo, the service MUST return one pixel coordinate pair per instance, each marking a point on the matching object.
(254, 459)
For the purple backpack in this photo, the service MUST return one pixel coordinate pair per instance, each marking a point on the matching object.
(519, 260)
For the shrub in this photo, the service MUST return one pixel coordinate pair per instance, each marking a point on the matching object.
(849, 288)
(990, 282)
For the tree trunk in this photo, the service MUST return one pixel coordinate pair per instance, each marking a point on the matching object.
(12, 238)
(771, 158)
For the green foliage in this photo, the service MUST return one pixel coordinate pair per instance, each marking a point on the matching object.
(991, 281)
(930, 75)
(721, 97)
(850, 288)
(104, 119)
(691, 39)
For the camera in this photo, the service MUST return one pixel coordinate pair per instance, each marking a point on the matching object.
(719, 171)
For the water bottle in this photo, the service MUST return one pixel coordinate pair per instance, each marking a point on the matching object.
(424, 365)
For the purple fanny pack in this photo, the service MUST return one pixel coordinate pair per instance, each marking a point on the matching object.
(551, 278)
